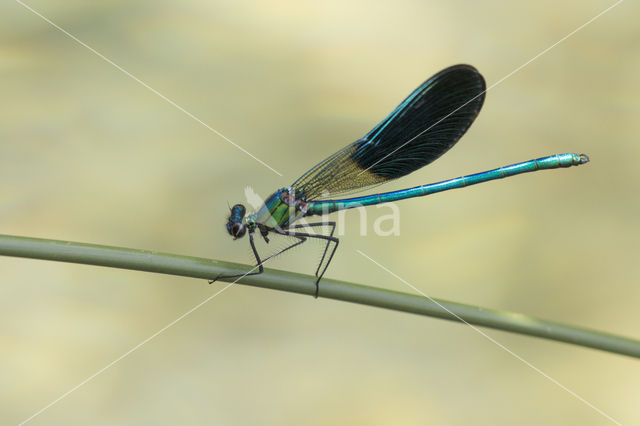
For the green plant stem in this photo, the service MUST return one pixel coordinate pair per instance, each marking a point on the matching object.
(172, 264)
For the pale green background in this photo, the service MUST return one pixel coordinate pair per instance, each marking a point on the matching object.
(88, 154)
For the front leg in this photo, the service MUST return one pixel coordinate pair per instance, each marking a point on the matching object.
(258, 264)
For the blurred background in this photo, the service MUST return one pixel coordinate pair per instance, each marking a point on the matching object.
(88, 154)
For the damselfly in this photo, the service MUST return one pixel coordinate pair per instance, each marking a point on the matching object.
(422, 128)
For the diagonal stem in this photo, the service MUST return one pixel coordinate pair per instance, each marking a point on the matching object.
(172, 264)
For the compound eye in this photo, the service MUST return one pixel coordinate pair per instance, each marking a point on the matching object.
(238, 230)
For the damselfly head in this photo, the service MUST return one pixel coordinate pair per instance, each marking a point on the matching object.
(235, 225)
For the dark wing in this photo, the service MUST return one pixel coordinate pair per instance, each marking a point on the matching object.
(422, 128)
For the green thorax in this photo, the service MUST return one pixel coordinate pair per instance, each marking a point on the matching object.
(279, 210)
